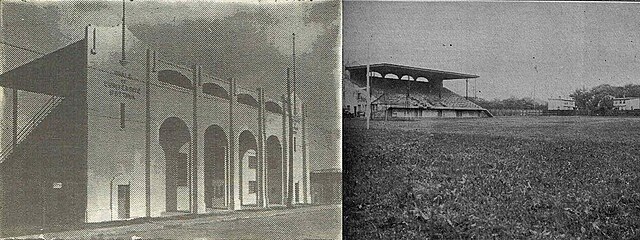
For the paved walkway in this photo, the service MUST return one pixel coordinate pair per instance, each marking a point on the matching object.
(318, 222)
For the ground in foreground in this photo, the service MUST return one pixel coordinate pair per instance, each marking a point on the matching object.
(508, 178)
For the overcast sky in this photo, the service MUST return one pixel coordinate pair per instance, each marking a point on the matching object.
(250, 42)
(521, 49)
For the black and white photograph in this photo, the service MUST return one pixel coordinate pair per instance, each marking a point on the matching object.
(491, 120)
(178, 119)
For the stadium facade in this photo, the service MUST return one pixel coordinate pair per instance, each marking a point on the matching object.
(143, 137)
(405, 92)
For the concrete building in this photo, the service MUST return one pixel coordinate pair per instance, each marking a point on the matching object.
(626, 103)
(405, 92)
(354, 101)
(122, 138)
(563, 104)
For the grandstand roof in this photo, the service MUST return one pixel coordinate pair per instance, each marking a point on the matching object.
(415, 72)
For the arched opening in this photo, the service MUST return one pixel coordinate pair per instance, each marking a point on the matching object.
(376, 74)
(391, 76)
(174, 78)
(247, 99)
(406, 77)
(215, 155)
(273, 107)
(249, 165)
(422, 79)
(215, 90)
(175, 140)
(275, 174)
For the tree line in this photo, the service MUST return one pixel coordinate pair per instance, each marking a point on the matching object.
(510, 103)
(600, 98)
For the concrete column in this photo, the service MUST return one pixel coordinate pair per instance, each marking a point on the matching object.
(147, 141)
(261, 152)
(305, 160)
(194, 143)
(284, 167)
(234, 163)
(291, 199)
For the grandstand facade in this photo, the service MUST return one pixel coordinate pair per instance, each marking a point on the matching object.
(404, 92)
(117, 139)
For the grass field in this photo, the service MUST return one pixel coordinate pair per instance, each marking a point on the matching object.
(504, 178)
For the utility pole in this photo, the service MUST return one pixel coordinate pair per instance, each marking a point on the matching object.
(368, 109)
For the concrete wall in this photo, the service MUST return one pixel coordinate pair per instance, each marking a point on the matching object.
(117, 154)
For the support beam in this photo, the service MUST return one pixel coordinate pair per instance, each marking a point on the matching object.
(285, 166)
(290, 200)
(260, 171)
(305, 159)
(194, 142)
(234, 178)
(147, 141)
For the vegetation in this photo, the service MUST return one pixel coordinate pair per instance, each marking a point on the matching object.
(510, 103)
(600, 98)
(506, 178)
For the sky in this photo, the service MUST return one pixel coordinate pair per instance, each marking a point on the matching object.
(519, 49)
(250, 41)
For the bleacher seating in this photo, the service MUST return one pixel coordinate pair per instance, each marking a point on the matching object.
(418, 94)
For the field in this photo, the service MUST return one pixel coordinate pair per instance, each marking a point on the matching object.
(503, 178)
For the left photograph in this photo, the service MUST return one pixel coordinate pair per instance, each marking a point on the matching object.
(139, 119)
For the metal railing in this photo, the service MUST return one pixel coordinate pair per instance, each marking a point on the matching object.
(46, 109)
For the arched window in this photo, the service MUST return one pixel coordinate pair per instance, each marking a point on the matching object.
(174, 78)
(273, 107)
(215, 90)
(247, 99)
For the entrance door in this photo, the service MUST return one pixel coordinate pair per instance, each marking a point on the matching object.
(123, 202)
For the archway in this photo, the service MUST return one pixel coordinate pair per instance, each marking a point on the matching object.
(274, 170)
(215, 154)
(249, 165)
(175, 140)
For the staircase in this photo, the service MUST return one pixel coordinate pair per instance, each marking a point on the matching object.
(44, 111)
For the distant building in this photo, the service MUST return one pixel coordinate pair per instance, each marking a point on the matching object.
(561, 104)
(626, 103)
(354, 99)
(326, 186)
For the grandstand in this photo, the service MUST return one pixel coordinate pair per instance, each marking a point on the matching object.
(405, 97)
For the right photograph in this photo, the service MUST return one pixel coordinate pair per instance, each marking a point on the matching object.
(500, 120)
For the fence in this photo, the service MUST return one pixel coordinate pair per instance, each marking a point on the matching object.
(516, 112)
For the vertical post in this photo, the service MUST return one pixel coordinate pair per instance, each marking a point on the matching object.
(294, 74)
(284, 166)
(14, 95)
(260, 152)
(147, 142)
(368, 109)
(305, 165)
(290, 200)
(194, 155)
(234, 195)
(123, 30)
(466, 89)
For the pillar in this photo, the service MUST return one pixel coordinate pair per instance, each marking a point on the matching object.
(291, 199)
(284, 167)
(261, 179)
(305, 160)
(194, 142)
(147, 141)
(233, 161)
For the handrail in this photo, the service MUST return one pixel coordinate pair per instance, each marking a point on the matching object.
(42, 113)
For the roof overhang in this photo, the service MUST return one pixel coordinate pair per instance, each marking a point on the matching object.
(415, 72)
